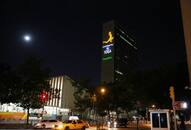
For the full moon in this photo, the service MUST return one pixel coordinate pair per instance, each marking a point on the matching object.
(27, 38)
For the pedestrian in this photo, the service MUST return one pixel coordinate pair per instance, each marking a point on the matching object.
(182, 125)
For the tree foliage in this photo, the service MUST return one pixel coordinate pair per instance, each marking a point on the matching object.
(25, 84)
(118, 96)
(34, 80)
(156, 84)
(82, 95)
(9, 83)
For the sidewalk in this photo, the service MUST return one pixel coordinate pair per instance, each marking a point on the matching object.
(106, 128)
(15, 126)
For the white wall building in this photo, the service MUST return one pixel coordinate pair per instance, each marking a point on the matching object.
(63, 102)
(65, 98)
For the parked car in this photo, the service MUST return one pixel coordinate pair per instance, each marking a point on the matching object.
(71, 124)
(47, 123)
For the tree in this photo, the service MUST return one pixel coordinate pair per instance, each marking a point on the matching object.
(155, 84)
(83, 92)
(9, 82)
(34, 81)
(121, 96)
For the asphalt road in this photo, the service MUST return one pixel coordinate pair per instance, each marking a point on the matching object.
(92, 128)
(88, 129)
(128, 129)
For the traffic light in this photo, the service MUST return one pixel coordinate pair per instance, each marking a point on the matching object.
(171, 92)
(43, 96)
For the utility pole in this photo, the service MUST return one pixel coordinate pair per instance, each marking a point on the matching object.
(172, 96)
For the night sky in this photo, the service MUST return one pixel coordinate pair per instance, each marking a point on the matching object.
(67, 34)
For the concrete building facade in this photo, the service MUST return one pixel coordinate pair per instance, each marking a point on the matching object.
(61, 101)
(64, 98)
(186, 18)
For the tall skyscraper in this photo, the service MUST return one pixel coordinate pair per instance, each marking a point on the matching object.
(186, 17)
(118, 53)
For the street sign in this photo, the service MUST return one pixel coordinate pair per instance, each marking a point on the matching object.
(176, 105)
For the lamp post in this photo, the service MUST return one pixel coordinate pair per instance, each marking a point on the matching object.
(102, 91)
(43, 99)
(172, 96)
(93, 105)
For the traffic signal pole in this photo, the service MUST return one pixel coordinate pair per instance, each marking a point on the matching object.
(174, 113)
(172, 96)
(43, 99)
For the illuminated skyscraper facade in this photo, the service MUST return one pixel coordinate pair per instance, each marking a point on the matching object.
(118, 53)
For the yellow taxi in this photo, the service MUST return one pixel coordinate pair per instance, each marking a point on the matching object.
(71, 124)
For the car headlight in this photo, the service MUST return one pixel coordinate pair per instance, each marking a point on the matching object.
(115, 124)
(38, 124)
(60, 126)
(108, 124)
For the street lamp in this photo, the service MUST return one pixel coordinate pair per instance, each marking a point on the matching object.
(187, 88)
(153, 106)
(102, 90)
(184, 105)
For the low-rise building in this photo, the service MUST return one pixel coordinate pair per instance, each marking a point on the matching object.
(59, 105)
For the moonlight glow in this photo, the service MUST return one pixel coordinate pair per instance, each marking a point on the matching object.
(27, 38)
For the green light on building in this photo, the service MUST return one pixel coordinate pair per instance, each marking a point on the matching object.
(107, 58)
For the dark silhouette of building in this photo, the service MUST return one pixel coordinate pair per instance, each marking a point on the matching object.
(118, 53)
